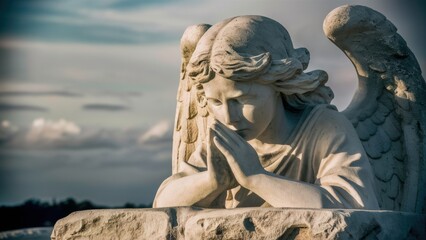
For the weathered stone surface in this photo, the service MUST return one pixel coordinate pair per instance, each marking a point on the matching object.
(115, 224)
(243, 223)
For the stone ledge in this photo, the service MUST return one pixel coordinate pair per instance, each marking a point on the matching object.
(242, 223)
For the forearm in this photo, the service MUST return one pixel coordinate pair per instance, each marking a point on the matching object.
(281, 192)
(196, 189)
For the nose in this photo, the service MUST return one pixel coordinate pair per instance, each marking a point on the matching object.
(232, 114)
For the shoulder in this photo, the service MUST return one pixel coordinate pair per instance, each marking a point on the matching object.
(332, 133)
(330, 129)
(328, 119)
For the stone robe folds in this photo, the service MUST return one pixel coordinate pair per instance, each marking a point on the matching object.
(324, 150)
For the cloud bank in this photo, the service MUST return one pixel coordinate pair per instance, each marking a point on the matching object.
(58, 159)
(63, 134)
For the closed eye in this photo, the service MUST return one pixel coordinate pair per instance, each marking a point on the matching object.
(214, 101)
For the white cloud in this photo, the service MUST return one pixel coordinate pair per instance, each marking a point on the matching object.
(60, 134)
(158, 132)
(5, 124)
(47, 130)
(64, 134)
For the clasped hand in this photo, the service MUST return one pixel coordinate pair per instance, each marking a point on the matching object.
(237, 162)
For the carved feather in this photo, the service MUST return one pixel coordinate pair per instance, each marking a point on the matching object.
(186, 130)
(388, 109)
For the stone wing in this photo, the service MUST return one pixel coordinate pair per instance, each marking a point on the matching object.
(388, 110)
(190, 120)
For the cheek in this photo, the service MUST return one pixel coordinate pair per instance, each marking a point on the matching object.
(256, 119)
(250, 113)
(259, 115)
(215, 112)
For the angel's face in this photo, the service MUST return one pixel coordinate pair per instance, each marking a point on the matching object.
(245, 107)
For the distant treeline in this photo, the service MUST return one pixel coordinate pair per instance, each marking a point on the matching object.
(36, 213)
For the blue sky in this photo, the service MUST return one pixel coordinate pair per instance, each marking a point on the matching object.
(88, 88)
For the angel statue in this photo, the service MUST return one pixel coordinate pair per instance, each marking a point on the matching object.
(254, 130)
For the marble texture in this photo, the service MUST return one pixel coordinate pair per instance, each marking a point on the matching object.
(115, 224)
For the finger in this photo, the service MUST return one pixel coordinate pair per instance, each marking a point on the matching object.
(219, 134)
(224, 148)
(225, 135)
(231, 145)
(214, 155)
(210, 134)
(233, 164)
(229, 133)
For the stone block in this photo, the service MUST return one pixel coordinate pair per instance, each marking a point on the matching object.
(242, 223)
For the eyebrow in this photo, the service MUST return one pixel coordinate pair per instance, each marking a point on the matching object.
(240, 92)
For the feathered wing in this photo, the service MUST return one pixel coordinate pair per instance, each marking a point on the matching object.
(388, 110)
(190, 113)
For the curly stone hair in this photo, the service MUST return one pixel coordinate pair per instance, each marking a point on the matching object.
(256, 48)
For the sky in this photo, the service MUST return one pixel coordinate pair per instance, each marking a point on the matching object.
(88, 88)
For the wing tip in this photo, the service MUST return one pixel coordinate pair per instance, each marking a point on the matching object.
(342, 21)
